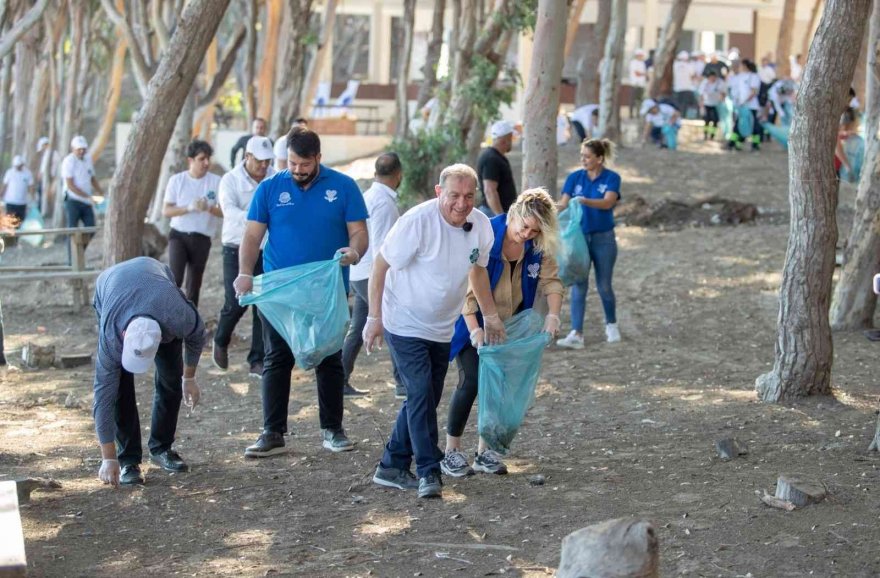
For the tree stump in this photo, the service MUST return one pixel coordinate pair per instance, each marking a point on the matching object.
(798, 490)
(153, 242)
(37, 357)
(875, 443)
(621, 548)
(70, 360)
(729, 448)
(26, 486)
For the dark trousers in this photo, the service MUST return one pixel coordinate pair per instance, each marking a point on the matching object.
(78, 213)
(468, 363)
(740, 138)
(635, 103)
(422, 365)
(188, 254)
(579, 130)
(166, 406)
(2, 355)
(17, 211)
(232, 311)
(277, 365)
(711, 120)
(354, 339)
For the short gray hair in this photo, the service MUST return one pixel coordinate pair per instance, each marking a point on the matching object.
(457, 171)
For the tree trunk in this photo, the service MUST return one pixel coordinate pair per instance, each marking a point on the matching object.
(23, 72)
(21, 27)
(174, 159)
(808, 35)
(5, 94)
(201, 128)
(804, 350)
(860, 76)
(435, 46)
(250, 61)
(135, 178)
(274, 13)
(409, 17)
(574, 22)
(783, 46)
(117, 71)
(316, 64)
(665, 53)
(542, 97)
(612, 68)
(289, 85)
(854, 302)
(588, 67)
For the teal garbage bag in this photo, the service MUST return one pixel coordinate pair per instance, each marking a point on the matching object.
(854, 147)
(573, 256)
(725, 120)
(307, 306)
(670, 135)
(745, 122)
(33, 221)
(779, 133)
(508, 375)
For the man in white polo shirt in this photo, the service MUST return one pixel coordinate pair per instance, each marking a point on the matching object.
(417, 290)
(236, 191)
(80, 184)
(18, 189)
(191, 203)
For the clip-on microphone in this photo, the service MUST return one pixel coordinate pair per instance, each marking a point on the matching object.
(467, 226)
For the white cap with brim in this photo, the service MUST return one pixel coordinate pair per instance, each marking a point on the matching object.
(140, 344)
(683, 55)
(17, 161)
(647, 105)
(42, 142)
(260, 147)
(502, 128)
(79, 142)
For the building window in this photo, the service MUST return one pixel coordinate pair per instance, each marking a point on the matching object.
(351, 47)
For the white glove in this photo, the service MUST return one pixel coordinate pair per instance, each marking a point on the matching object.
(551, 324)
(372, 334)
(194, 207)
(478, 338)
(494, 329)
(109, 472)
(191, 392)
(243, 284)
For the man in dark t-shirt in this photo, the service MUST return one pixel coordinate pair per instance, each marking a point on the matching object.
(494, 173)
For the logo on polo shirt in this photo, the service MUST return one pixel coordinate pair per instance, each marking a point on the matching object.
(211, 195)
(534, 270)
(284, 200)
(475, 254)
(330, 196)
(602, 188)
(578, 189)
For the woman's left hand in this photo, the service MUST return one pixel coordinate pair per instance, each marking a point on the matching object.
(551, 324)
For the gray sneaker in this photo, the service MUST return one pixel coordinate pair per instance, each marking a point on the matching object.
(395, 478)
(336, 440)
(489, 462)
(268, 444)
(455, 464)
(399, 392)
(430, 486)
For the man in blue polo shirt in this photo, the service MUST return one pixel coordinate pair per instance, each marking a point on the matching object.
(310, 211)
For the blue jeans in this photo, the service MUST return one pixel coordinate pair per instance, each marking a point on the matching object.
(353, 339)
(77, 213)
(422, 366)
(603, 254)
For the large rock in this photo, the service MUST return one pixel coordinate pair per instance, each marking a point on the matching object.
(621, 548)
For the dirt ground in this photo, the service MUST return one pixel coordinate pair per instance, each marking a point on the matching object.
(618, 430)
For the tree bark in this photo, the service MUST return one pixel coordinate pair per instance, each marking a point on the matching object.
(174, 159)
(316, 65)
(783, 46)
(23, 71)
(665, 53)
(250, 60)
(854, 302)
(22, 26)
(140, 64)
(612, 68)
(117, 70)
(135, 178)
(588, 67)
(409, 18)
(435, 46)
(542, 97)
(5, 97)
(804, 350)
(574, 22)
(811, 25)
(274, 13)
(289, 85)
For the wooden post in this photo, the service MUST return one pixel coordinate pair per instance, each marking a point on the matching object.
(80, 287)
(13, 562)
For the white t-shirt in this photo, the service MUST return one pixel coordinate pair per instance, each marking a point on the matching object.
(584, 115)
(280, 149)
(741, 86)
(430, 260)
(182, 190)
(81, 171)
(638, 66)
(381, 202)
(767, 74)
(655, 119)
(17, 183)
(712, 92)
(682, 76)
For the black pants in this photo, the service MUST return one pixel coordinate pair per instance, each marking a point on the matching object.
(232, 311)
(17, 211)
(741, 138)
(277, 365)
(464, 396)
(188, 254)
(166, 406)
(579, 130)
(2, 355)
(354, 339)
(711, 120)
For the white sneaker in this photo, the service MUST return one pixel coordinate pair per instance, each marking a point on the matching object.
(571, 341)
(612, 333)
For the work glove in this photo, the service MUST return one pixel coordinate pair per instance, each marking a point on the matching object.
(551, 324)
(243, 284)
(109, 472)
(372, 334)
(191, 392)
(478, 338)
(494, 329)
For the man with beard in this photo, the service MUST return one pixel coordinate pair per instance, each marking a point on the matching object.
(310, 211)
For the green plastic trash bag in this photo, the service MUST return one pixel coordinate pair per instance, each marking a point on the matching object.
(573, 256)
(307, 306)
(33, 222)
(508, 375)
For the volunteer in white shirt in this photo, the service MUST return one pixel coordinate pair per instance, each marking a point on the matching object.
(18, 189)
(381, 200)
(712, 93)
(79, 185)
(683, 82)
(49, 161)
(417, 290)
(744, 88)
(584, 120)
(236, 191)
(191, 203)
(638, 80)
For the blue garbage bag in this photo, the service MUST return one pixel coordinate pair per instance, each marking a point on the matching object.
(670, 135)
(780, 133)
(854, 147)
(508, 375)
(725, 120)
(33, 222)
(307, 306)
(573, 256)
(745, 122)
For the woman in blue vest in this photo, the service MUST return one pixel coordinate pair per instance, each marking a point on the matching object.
(521, 263)
(598, 189)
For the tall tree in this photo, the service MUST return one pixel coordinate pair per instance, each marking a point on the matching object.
(21, 27)
(811, 25)
(576, 8)
(666, 45)
(783, 46)
(137, 174)
(854, 303)
(588, 66)
(319, 57)
(409, 19)
(250, 59)
(432, 58)
(804, 350)
(275, 10)
(289, 83)
(612, 69)
(542, 97)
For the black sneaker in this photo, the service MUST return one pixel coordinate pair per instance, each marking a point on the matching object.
(170, 461)
(336, 441)
(430, 486)
(872, 334)
(456, 465)
(220, 357)
(350, 391)
(399, 392)
(256, 370)
(395, 478)
(489, 462)
(268, 444)
(131, 475)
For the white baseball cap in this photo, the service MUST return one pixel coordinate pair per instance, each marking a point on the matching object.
(683, 55)
(640, 52)
(44, 140)
(502, 128)
(17, 160)
(260, 147)
(140, 344)
(79, 142)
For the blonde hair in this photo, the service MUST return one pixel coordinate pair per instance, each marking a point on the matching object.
(600, 147)
(538, 204)
(457, 171)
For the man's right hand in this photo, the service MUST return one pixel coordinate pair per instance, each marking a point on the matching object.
(109, 472)
(243, 285)
(372, 334)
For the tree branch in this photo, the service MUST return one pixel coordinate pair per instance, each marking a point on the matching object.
(142, 72)
(31, 17)
(159, 24)
(226, 65)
